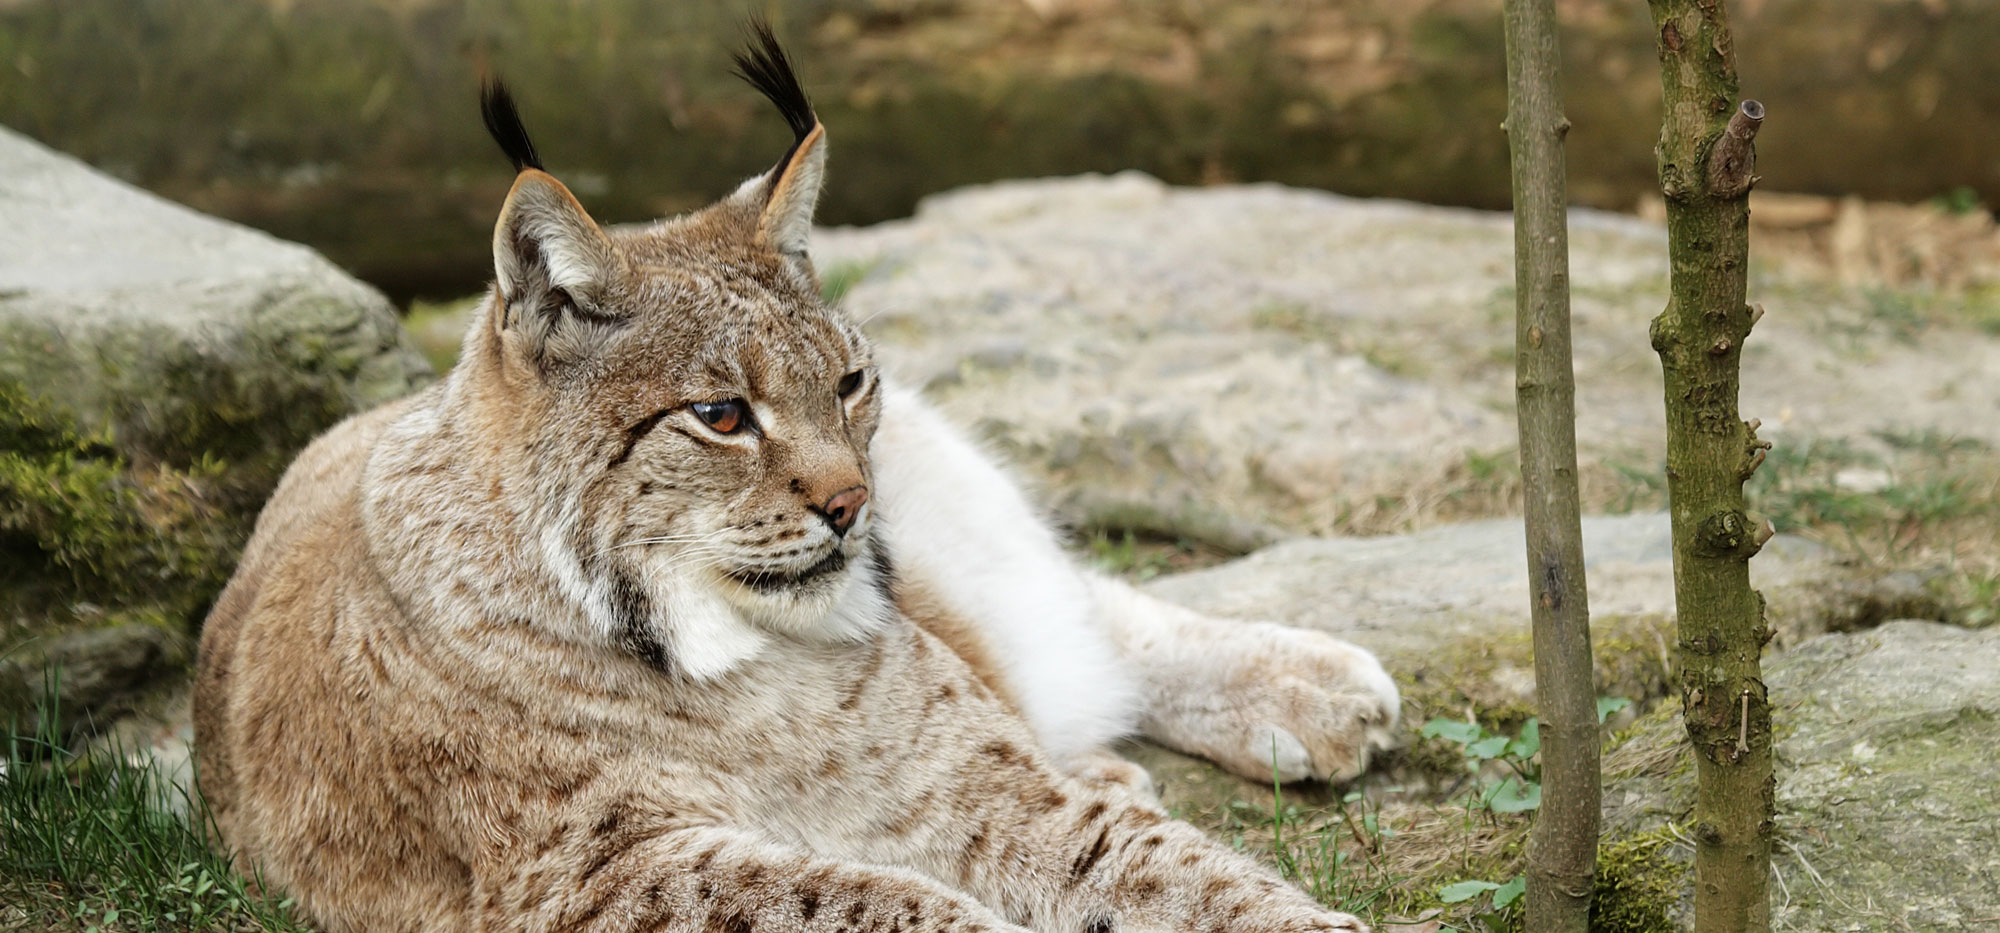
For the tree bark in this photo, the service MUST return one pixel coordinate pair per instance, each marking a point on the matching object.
(1562, 847)
(1706, 161)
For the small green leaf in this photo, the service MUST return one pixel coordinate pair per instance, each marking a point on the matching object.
(1452, 730)
(1510, 892)
(1489, 747)
(1608, 705)
(1512, 796)
(1464, 891)
(1530, 741)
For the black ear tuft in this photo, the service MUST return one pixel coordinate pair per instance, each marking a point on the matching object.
(765, 65)
(504, 122)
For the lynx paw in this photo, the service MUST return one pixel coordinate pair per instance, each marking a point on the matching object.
(1106, 769)
(1273, 701)
(1344, 923)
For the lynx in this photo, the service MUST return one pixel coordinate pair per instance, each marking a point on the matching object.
(668, 610)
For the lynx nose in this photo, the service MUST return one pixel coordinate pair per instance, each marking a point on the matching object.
(841, 510)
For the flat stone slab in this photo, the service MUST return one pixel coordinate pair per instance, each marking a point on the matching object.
(1447, 608)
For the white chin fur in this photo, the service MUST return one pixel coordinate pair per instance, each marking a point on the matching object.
(847, 608)
(712, 626)
(705, 636)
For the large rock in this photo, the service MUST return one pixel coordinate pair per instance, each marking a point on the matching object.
(1285, 357)
(158, 369)
(1447, 608)
(1888, 811)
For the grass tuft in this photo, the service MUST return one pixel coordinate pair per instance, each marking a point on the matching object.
(97, 842)
(1139, 557)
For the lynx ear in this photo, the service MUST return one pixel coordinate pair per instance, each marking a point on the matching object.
(545, 244)
(553, 266)
(786, 223)
(785, 195)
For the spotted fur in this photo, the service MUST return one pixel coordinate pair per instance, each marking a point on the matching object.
(540, 649)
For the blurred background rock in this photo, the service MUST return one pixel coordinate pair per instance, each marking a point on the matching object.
(349, 124)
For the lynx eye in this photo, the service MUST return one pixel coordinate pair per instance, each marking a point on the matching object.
(849, 383)
(725, 417)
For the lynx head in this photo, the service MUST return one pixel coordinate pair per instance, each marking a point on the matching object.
(690, 420)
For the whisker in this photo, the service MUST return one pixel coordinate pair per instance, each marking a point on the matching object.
(657, 539)
(872, 316)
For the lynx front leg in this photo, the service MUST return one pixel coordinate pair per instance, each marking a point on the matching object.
(616, 878)
(1257, 698)
(1167, 876)
(1064, 857)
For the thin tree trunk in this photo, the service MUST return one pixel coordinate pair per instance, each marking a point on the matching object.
(1562, 848)
(1706, 160)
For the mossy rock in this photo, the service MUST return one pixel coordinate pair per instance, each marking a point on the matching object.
(90, 678)
(1888, 814)
(158, 370)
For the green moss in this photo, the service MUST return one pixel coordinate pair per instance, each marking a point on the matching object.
(1639, 882)
(1297, 320)
(1475, 674)
(89, 537)
(253, 411)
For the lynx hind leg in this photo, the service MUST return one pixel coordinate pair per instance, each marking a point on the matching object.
(1260, 699)
(965, 537)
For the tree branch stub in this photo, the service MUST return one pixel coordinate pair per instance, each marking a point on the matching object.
(1732, 163)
